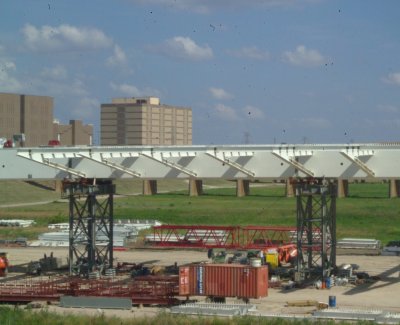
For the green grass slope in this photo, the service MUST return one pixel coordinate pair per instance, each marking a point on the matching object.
(366, 213)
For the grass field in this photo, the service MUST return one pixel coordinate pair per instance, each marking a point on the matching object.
(366, 213)
(17, 316)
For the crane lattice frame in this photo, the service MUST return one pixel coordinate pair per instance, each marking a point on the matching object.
(316, 229)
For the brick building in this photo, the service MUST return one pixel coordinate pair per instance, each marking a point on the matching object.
(73, 134)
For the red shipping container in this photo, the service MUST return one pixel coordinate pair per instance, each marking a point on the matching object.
(223, 280)
(184, 281)
(191, 280)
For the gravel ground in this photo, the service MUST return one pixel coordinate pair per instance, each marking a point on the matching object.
(383, 294)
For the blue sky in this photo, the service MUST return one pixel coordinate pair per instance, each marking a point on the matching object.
(254, 71)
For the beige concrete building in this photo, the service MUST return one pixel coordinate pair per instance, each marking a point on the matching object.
(73, 134)
(32, 117)
(29, 115)
(144, 121)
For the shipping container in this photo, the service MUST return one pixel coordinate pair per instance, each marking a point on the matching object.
(223, 280)
(184, 289)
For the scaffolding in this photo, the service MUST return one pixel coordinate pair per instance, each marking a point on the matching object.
(90, 225)
(316, 229)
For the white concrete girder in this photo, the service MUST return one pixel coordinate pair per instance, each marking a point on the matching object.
(63, 168)
(224, 158)
(45, 160)
(159, 157)
(101, 160)
(268, 162)
(121, 168)
(290, 156)
(354, 157)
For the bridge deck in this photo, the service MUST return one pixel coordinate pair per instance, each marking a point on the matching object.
(347, 161)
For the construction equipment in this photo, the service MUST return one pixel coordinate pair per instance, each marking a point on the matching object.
(34, 268)
(53, 143)
(4, 264)
(274, 256)
(17, 140)
(217, 255)
(46, 264)
(6, 143)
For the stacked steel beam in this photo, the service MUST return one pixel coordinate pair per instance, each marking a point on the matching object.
(160, 290)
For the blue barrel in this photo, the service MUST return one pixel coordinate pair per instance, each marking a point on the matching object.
(328, 283)
(332, 301)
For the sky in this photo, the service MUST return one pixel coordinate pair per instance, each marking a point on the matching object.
(253, 71)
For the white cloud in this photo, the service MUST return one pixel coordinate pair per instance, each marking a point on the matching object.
(253, 53)
(126, 89)
(220, 93)
(64, 37)
(86, 109)
(78, 87)
(253, 112)
(304, 57)
(118, 57)
(314, 122)
(58, 73)
(225, 112)
(392, 123)
(183, 48)
(8, 83)
(207, 6)
(389, 108)
(61, 87)
(393, 78)
(132, 91)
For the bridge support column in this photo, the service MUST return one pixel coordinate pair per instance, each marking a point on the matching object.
(342, 188)
(290, 187)
(242, 187)
(195, 187)
(149, 187)
(394, 188)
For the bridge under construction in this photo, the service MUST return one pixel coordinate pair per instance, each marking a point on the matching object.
(243, 163)
(313, 172)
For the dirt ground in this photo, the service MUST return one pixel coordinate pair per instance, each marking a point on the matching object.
(383, 294)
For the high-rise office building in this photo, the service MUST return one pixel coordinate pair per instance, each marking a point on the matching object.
(28, 120)
(144, 121)
(29, 115)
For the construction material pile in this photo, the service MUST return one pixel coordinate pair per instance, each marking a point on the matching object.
(124, 232)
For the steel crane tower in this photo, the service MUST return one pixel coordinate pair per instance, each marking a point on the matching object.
(316, 229)
(90, 225)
